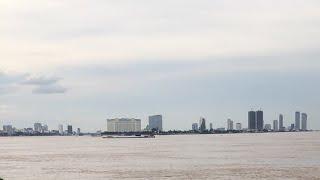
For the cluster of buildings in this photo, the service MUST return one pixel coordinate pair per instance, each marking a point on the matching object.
(134, 125)
(38, 129)
(256, 124)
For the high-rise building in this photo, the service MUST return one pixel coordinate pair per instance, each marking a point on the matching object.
(304, 119)
(155, 122)
(275, 125)
(297, 121)
(259, 118)
(252, 125)
(69, 130)
(45, 128)
(267, 127)
(195, 127)
(202, 125)
(238, 126)
(211, 126)
(8, 129)
(38, 127)
(60, 128)
(123, 125)
(230, 124)
(281, 127)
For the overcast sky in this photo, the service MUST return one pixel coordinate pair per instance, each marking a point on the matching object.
(80, 62)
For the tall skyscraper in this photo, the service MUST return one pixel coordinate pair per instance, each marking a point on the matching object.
(230, 124)
(297, 121)
(238, 126)
(195, 127)
(259, 117)
(304, 119)
(281, 127)
(69, 130)
(275, 125)
(202, 125)
(252, 120)
(155, 122)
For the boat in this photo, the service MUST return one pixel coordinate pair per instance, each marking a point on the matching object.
(129, 137)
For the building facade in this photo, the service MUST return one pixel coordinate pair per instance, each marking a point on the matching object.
(281, 127)
(252, 125)
(275, 125)
(155, 122)
(238, 126)
(304, 119)
(202, 125)
(297, 121)
(69, 129)
(195, 127)
(37, 127)
(60, 128)
(259, 117)
(230, 124)
(267, 127)
(211, 126)
(123, 125)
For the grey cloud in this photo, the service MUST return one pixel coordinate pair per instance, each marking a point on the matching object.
(52, 89)
(45, 85)
(41, 80)
(14, 82)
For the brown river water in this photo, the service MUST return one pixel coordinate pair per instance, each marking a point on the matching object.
(229, 156)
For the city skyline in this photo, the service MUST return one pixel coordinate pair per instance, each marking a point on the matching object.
(255, 121)
(122, 59)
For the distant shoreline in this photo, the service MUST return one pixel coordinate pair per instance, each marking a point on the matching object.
(167, 133)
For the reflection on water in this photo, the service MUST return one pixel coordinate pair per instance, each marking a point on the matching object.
(234, 156)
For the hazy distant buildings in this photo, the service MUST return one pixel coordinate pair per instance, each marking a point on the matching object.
(275, 125)
(8, 129)
(304, 118)
(60, 129)
(267, 127)
(297, 121)
(195, 127)
(252, 120)
(45, 128)
(238, 126)
(123, 125)
(155, 122)
(202, 125)
(230, 124)
(281, 127)
(69, 130)
(78, 131)
(211, 126)
(38, 127)
(291, 128)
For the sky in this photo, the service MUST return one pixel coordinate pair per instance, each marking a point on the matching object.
(81, 62)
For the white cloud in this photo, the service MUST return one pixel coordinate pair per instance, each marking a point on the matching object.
(38, 35)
